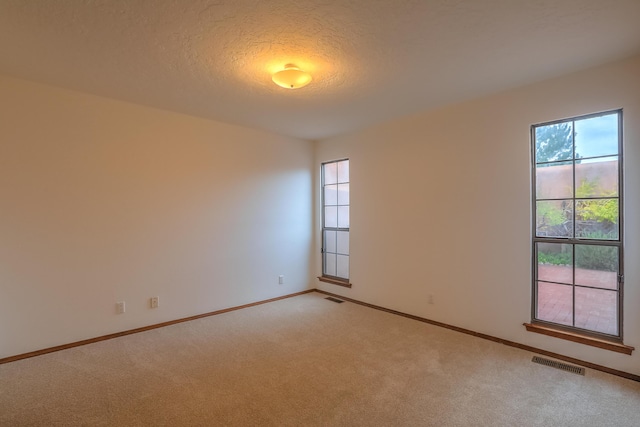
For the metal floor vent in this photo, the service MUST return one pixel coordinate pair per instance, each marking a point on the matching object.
(339, 301)
(558, 365)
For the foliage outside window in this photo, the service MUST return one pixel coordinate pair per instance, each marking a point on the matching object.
(577, 235)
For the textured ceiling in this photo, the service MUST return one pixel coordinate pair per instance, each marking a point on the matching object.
(371, 60)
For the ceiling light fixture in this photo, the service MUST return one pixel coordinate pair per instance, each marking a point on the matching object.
(291, 77)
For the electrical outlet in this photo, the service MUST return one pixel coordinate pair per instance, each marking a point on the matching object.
(155, 302)
(120, 307)
(430, 299)
(281, 279)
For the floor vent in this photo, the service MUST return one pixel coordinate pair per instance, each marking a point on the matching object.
(558, 365)
(339, 301)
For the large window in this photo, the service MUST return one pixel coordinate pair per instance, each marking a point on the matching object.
(577, 230)
(335, 221)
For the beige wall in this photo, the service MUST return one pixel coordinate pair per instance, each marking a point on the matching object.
(102, 201)
(441, 205)
(556, 182)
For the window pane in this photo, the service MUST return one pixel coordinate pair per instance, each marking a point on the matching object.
(554, 180)
(597, 177)
(554, 142)
(343, 266)
(330, 241)
(597, 136)
(343, 242)
(330, 264)
(555, 262)
(330, 173)
(343, 171)
(343, 216)
(343, 194)
(597, 266)
(555, 303)
(577, 196)
(331, 194)
(596, 310)
(554, 218)
(331, 216)
(597, 219)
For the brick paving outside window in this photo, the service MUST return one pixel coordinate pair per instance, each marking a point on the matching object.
(595, 309)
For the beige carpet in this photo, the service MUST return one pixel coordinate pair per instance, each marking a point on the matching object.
(306, 361)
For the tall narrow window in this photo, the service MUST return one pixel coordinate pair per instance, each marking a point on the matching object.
(577, 231)
(335, 221)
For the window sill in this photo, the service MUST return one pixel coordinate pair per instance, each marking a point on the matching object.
(338, 282)
(582, 339)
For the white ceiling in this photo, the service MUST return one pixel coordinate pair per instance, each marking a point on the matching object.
(371, 60)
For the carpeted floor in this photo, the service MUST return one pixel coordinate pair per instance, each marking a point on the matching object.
(306, 361)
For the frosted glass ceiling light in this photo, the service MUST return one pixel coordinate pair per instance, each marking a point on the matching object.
(291, 77)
